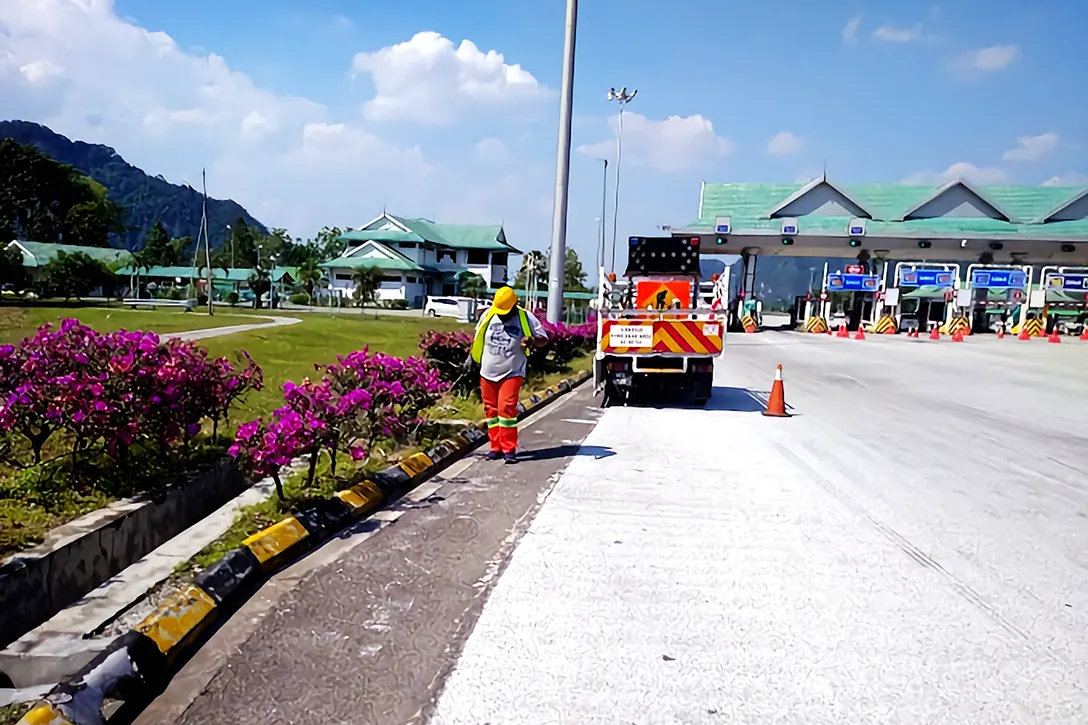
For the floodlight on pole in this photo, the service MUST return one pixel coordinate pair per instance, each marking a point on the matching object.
(622, 97)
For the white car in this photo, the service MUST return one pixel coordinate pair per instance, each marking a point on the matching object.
(461, 308)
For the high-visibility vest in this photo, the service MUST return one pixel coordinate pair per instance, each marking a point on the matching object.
(481, 328)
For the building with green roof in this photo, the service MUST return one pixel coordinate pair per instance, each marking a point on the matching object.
(419, 257)
(957, 221)
(39, 254)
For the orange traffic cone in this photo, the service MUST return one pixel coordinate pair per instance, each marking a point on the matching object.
(935, 333)
(843, 332)
(957, 336)
(1054, 337)
(1024, 334)
(1001, 333)
(776, 404)
(860, 334)
(1084, 335)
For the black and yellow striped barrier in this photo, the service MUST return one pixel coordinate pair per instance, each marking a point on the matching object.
(1033, 326)
(141, 661)
(816, 325)
(886, 325)
(749, 324)
(957, 324)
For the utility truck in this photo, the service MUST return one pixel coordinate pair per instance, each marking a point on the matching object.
(661, 326)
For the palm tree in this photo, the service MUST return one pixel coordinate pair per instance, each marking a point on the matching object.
(534, 268)
(309, 275)
(367, 281)
(472, 284)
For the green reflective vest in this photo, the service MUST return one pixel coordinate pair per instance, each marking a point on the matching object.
(481, 328)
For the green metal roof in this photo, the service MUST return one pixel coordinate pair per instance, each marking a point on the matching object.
(41, 253)
(490, 237)
(227, 275)
(749, 205)
(380, 235)
(389, 263)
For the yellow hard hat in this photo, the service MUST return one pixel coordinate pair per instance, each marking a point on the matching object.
(505, 300)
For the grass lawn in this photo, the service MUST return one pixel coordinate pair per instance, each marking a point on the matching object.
(19, 322)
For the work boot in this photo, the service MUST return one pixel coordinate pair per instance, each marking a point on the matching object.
(510, 458)
(493, 455)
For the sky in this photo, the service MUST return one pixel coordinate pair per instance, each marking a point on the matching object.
(325, 112)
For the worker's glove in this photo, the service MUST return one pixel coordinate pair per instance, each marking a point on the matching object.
(468, 365)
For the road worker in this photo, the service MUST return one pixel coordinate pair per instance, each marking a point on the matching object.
(498, 348)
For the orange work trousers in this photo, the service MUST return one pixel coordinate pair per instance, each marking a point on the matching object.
(501, 411)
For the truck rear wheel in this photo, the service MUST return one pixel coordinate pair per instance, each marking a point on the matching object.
(702, 387)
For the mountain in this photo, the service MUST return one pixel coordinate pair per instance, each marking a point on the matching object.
(146, 199)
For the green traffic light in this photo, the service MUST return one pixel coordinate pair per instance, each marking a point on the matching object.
(721, 240)
(855, 243)
(786, 241)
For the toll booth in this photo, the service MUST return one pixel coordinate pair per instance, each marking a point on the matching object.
(922, 294)
(995, 296)
(851, 296)
(1065, 296)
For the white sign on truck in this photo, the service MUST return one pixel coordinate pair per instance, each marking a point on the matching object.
(631, 336)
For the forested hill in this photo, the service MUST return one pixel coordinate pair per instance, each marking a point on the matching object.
(145, 199)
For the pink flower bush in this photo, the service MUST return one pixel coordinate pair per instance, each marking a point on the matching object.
(112, 391)
(359, 399)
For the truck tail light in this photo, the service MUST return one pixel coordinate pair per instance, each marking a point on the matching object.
(619, 366)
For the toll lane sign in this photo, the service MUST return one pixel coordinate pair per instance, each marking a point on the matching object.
(1074, 282)
(998, 279)
(925, 278)
(853, 282)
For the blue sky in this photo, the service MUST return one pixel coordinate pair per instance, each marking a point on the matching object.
(879, 91)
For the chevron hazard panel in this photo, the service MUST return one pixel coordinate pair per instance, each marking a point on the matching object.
(680, 337)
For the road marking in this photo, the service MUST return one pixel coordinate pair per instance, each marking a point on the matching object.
(580, 420)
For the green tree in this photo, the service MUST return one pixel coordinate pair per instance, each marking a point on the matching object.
(13, 274)
(46, 201)
(574, 277)
(534, 270)
(329, 244)
(156, 249)
(76, 275)
(309, 275)
(367, 281)
(471, 284)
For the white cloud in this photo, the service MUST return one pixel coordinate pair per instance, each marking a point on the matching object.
(427, 80)
(78, 68)
(893, 34)
(1073, 178)
(850, 31)
(990, 59)
(1032, 148)
(677, 144)
(492, 150)
(784, 143)
(959, 170)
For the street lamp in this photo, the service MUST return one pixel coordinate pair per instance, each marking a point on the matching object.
(604, 215)
(622, 97)
(232, 263)
(562, 170)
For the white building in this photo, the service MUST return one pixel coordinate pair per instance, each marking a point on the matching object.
(418, 257)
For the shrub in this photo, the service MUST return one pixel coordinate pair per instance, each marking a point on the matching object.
(447, 352)
(299, 298)
(106, 393)
(359, 399)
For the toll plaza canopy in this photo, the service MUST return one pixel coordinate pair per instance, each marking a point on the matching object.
(954, 222)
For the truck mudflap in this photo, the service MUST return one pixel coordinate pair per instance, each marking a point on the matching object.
(662, 336)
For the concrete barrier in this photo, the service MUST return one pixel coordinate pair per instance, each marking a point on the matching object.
(75, 558)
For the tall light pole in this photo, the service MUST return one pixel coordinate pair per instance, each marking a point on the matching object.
(562, 170)
(604, 215)
(621, 97)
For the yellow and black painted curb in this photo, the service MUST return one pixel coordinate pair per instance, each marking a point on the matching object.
(137, 665)
(749, 324)
(816, 325)
(886, 325)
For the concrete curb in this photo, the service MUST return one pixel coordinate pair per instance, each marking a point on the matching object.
(138, 664)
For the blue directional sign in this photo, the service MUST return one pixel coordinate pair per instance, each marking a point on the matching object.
(853, 282)
(998, 278)
(1072, 282)
(926, 278)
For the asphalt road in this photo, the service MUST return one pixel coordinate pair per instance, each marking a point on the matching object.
(911, 547)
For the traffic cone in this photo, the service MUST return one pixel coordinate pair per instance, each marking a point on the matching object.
(1054, 337)
(1024, 334)
(1001, 333)
(843, 332)
(1084, 335)
(776, 404)
(860, 334)
(935, 333)
(957, 336)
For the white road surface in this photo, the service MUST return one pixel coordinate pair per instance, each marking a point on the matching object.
(911, 547)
